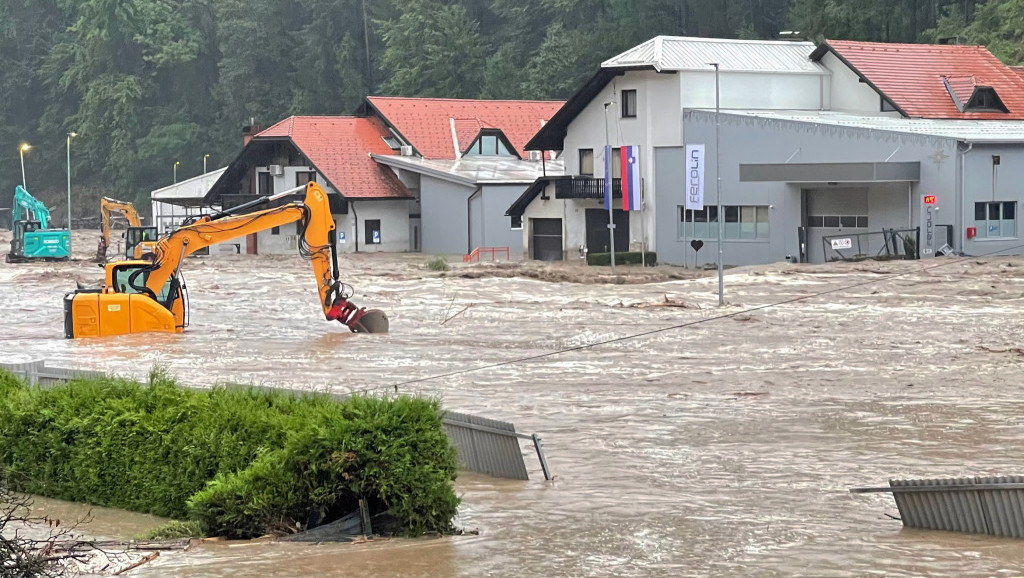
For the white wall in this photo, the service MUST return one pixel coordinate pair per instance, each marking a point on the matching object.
(394, 229)
(849, 94)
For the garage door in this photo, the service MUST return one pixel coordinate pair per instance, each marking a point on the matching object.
(546, 243)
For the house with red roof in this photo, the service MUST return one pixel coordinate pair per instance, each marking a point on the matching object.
(403, 174)
(787, 151)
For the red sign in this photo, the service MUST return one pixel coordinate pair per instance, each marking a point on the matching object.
(929, 199)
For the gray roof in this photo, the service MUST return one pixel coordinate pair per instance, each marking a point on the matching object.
(979, 131)
(476, 170)
(194, 188)
(685, 53)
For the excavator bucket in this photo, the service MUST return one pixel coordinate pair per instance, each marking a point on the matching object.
(372, 321)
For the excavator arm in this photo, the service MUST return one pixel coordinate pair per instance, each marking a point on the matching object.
(155, 300)
(109, 206)
(26, 203)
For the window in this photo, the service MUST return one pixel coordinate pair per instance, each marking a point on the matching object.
(372, 231)
(392, 142)
(984, 99)
(628, 103)
(489, 145)
(996, 220)
(587, 162)
(741, 222)
(265, 182)
(836, 222)
(616, 163)
(517, 222)
(303, 177)
(275, 231)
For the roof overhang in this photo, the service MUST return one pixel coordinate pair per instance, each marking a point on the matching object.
(470, 171)
(831, 172)
(518, 206)
(551, 136)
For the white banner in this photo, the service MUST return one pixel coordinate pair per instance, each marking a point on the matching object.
(695, 177)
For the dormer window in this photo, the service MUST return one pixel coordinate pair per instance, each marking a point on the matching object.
(490, 143)
(985, 99)
(392, 142)
(969, 96)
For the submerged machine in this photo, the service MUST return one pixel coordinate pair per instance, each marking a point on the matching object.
(150, 296)
(32, 238)
(139, 241)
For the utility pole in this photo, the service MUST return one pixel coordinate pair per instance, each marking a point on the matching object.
(608, 185)
(21, 151)
(206, 156)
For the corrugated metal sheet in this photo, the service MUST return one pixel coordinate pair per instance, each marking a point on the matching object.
(990, 505)
(684, 53)
(486, 446)
(979, 131)
(38, 373)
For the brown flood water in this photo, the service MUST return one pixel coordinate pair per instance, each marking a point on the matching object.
(722, 449)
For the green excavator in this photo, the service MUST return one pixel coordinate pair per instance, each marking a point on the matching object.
(33, 239)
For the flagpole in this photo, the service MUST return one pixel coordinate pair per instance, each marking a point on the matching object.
(643, 236)
(608, 185)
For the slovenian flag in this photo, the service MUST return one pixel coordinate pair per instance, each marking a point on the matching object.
(630, 157)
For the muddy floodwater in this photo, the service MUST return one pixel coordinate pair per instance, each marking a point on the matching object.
(725, 448)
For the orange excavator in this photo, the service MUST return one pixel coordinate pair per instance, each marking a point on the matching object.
(150, 296)
(139, 240)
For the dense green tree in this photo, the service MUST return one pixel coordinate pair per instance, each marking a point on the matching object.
(431, 50)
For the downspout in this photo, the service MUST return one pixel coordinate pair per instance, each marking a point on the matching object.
(355, 219)
(469, 220)
(963, 196)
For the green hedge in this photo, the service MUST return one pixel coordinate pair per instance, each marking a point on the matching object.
(621, 258)
(241, 462)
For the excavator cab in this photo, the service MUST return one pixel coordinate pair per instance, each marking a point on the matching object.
(139, 242)
(126, 304)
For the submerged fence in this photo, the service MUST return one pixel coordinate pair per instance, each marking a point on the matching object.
(878, 245)
(991, 505)
(484, 445)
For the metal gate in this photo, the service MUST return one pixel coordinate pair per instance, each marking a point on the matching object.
(881, 245)
(597, 230)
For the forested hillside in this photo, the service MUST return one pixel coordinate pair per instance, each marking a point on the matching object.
(145, 83)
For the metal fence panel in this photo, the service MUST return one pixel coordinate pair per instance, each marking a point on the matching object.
(486, 446)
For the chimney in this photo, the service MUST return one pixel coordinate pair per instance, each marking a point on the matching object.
(250, 131)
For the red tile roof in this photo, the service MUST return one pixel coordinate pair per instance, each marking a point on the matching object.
(426, 123)
(339, 147)
(911, 76)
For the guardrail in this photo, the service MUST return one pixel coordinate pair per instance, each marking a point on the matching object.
(475, 255)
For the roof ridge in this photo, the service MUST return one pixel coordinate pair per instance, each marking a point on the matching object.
(478, 100)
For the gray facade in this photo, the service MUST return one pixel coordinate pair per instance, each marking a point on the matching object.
(885, 191)
(458, 218)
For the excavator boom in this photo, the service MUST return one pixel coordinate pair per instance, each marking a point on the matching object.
(139, 237)
(157, 284)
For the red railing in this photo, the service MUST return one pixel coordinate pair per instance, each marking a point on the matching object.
(475, 255)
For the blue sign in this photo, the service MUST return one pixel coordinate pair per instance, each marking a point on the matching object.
(376, 236)
(341, 236)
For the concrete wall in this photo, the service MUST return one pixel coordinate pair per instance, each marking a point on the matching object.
(393, 215)
(755, 140)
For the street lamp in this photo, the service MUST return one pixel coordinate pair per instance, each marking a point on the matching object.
(176, 163)
(718, 188)
(71, 135)
(204, 162)
(21, 150)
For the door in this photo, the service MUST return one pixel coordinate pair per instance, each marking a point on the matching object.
(546, 239)
(597, 230)
(414, 233)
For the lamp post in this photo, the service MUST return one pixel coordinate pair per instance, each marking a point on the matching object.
(71, 135)
(21, 150)
(176, 163)
(206, 156)
(718, 191)
(608, 185)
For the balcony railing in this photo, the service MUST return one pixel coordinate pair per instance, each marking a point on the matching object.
(585, 188)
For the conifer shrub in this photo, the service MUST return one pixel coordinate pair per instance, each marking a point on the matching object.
(239, 462)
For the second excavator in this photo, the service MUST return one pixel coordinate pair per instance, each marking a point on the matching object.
(139, 240)
(145, 296)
